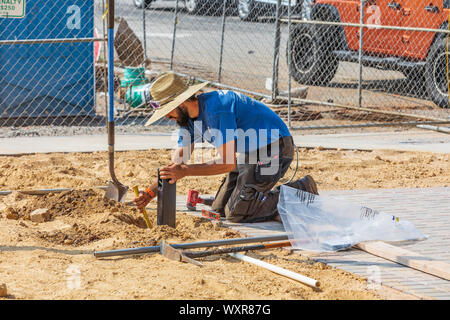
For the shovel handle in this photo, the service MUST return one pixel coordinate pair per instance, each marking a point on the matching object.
(144, 212)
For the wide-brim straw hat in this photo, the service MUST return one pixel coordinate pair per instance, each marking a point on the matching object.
(168, 92)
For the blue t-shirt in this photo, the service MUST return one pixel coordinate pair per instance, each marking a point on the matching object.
(225, 115)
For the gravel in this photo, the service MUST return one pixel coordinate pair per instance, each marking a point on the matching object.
(39, 131)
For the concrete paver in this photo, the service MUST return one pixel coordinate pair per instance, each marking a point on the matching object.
(427, 208)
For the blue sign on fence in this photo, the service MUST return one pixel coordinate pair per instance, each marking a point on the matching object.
(52, 79)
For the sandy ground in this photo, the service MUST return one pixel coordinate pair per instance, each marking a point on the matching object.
(54, 260)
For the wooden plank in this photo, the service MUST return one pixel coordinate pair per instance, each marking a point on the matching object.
(407, 258)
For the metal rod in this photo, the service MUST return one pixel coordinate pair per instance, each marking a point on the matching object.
(175, 22)
(347, 24)
(329, 104)
(44, 191)
(144, 7)
(289, 58)
(361, 36)
(224, 10)
(276, 51)
(201, 254)
(192, 245)
(414, 123)
(41, 41)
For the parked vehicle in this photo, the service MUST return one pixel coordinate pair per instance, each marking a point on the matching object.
(251, 10)
(420, 56)
(192, 6)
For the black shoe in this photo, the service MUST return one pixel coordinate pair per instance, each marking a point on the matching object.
(306, 183)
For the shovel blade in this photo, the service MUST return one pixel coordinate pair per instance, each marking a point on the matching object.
(116, 191)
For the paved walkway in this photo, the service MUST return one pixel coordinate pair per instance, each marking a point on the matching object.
(428, 209)
(421, 140)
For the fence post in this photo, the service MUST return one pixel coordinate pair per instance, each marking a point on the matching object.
(144, 7)
(289, 58)
(222, 40)
(175, 21)
(276, 51)
(361, 36)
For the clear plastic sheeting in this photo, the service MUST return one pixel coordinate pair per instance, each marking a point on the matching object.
(320, 223)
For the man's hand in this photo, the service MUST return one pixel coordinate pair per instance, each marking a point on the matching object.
(142, 200)
(174, 172)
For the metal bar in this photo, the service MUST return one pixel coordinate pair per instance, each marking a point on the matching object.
(219, 76)
(361, 36)
(289, 58)
(175, 22)
(329, 104)
(144, 40)
(201, 254)
(413, 123)
(192, 245)
(43, 191)
(374, 26)
(42, 41)
(276, 51)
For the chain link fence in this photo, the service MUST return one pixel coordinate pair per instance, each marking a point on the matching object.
(47, 63)
(302, 58)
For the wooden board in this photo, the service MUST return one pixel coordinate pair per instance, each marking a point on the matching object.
(407, 258)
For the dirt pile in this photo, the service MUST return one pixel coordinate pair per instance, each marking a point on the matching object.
(332, 169)
(90, 217)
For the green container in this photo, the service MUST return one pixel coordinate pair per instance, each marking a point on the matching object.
(133, 77)
(137, 95)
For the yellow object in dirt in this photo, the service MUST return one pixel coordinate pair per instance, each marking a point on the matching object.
(144, 212)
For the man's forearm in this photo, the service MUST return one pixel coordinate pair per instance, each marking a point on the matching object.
(207, 169)
(154, 187)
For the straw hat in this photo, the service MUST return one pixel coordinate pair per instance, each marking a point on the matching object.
(168, 92)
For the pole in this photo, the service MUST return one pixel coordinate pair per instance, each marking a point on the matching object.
(276, 51)
(289, 63)
(111, 73)
(144, 7)
(287, 273)
(175, 21)
(191, 245)
(222, 40)
(361, 36)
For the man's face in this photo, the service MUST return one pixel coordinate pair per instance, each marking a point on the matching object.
(179, 115)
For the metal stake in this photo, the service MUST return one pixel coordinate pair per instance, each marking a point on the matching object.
(276, 52)
(175, 21)
(361, 21)
(222, 40)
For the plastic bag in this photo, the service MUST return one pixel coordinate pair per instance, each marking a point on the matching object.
(320, 223)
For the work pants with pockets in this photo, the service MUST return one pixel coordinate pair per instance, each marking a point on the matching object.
(247, 196)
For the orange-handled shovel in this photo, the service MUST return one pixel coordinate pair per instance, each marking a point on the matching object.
(144, 212)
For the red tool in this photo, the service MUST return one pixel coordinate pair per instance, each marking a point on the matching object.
(210, 214)
(194, 198)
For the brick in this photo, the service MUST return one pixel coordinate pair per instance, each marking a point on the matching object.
(3, 290)
(11, 213)
(40, 215)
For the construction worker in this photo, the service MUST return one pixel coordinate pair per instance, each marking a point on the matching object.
(253, 145)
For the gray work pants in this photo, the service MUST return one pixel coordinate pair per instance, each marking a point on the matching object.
(245, 195)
